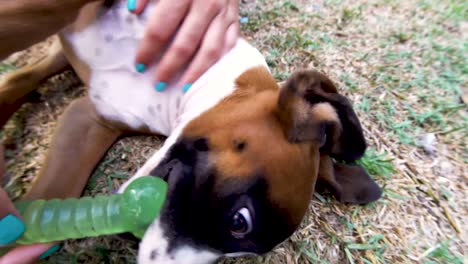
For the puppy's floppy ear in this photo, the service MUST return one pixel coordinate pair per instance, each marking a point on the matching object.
(348, 183)
(311, 109)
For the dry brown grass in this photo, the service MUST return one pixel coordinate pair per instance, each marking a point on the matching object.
(403, 63)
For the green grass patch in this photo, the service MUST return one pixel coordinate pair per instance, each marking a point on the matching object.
(442, 254)
(377, 164)
(5, 67)
(309, 252)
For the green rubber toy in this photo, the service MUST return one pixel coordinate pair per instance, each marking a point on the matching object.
(132, 211)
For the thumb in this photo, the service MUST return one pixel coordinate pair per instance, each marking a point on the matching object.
(11, 225)
(27, 254)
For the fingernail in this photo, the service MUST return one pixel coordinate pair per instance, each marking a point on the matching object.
(140, 67)
(49, 252)
(131, 5)
(187, 87)
(160, 86)
(11, 228)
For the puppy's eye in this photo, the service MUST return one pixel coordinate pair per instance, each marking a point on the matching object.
(241, 223)
(201, 144)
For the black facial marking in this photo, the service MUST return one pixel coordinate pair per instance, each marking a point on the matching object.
(200, 205)
(164, 171)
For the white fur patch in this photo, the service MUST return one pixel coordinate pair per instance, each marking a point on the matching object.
(108, 47)
(153, 250)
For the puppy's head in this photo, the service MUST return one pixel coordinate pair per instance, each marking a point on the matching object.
(242, 174)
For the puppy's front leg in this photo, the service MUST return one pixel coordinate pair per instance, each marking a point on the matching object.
(25, 22)
(79, 143)
(16, 86)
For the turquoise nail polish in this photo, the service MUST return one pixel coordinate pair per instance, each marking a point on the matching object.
(140, 67)
(187, 87)
(160, 86)
(11, 228)
(131, 5)
(49, 252)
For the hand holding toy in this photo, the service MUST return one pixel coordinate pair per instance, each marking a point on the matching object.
(132, 211)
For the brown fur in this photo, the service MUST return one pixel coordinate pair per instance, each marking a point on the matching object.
(282, 134)
(15, 88)
(251, 115)
(25, 22)
(79, 142)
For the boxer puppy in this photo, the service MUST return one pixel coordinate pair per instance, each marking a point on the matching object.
(242, 157)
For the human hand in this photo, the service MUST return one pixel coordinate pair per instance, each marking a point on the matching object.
(12, 227)
(204, 30)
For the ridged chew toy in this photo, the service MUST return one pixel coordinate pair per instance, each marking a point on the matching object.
(132, 211)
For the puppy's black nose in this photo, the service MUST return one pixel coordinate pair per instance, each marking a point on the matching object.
(164, 171)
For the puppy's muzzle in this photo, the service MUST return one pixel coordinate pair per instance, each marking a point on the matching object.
(169, 172)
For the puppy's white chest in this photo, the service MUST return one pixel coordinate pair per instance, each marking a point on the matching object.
(108, 47)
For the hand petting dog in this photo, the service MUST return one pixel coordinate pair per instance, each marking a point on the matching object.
(202, 31)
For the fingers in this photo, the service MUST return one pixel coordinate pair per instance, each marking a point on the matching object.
(136, 6)
(209, 29)
(211, 50)
(164, 20)
(232, 35)
(29, 253)
(6, 208)
(12, 228)
(187, 40)
(11, 225)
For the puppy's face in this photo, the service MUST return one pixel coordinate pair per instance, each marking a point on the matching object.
(242, 174)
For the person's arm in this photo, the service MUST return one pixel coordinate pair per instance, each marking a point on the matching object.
(26, 22)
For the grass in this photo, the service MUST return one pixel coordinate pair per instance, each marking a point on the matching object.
(403, 64)
(441, 253)
(6, 67)
(377, 164)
